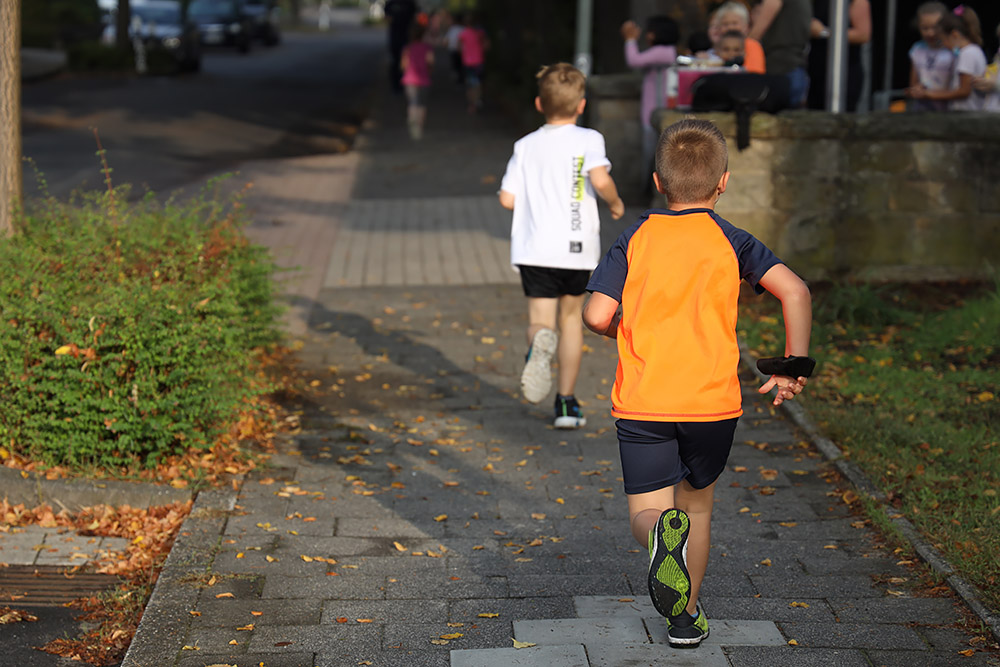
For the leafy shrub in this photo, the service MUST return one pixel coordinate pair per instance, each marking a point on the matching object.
(94, 56)
(127, 331)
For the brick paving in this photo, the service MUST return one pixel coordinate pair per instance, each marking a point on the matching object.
(423, 514)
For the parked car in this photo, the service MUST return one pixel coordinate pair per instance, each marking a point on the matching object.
(266, 17)
(223, 23)
(158, 23)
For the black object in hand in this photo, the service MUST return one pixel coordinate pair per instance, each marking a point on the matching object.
(788, 366)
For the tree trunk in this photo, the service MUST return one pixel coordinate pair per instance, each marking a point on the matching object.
(122, 21)
(10, 113)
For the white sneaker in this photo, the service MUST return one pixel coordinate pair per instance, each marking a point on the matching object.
(536, 378)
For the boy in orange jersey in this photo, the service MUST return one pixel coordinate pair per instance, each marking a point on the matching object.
(675, 275)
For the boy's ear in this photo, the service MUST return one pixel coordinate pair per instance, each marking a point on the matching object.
(723, 182)
(581, 106)
(538, 105)
(658, 184)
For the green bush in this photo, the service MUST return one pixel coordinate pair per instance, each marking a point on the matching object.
(94, 56)
(128, 331)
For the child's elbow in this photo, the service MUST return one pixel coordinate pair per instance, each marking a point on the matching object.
(596, 323)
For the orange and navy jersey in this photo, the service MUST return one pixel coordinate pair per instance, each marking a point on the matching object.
(677, 276)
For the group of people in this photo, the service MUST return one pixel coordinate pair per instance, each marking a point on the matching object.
(413, 38)
(667, 292)
(948, 65)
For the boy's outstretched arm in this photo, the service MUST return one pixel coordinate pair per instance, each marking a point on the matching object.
(601, 315)
(796, 307)
(507, 200)
(605, 188)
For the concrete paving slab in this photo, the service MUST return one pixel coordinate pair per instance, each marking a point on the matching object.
(386, 611)
(221, 613)
(724, 632)
(612, 606)
(654, 655)
(589, 630)
(201, 659)
(853, 635)
(324, 588)
(768, 609)
(349, 641)
(422, 636)
(895, 658)
(794, 656)
(509, 609)
(540, 585)
(536, 656)
(784, 586)
(922, 611)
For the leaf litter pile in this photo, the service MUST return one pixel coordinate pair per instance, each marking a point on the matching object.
(114, 614)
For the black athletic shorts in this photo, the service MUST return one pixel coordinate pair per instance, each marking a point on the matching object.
(548, 283)
(656, 455)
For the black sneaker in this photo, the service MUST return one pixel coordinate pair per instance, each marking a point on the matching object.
(568, 414)
(687, 631)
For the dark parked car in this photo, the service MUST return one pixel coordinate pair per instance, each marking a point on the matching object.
(265, 15)
(223, 23)
(158, 23)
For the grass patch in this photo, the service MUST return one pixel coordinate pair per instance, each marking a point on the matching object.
(907, 387)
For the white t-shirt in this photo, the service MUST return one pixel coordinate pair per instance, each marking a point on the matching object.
(451, 37)
(972, 61)
(555, 222)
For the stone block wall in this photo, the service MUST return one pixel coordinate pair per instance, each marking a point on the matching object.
(872, 197)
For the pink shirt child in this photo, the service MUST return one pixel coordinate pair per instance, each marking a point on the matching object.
(653, 60)
(472, 41)
(417, 72)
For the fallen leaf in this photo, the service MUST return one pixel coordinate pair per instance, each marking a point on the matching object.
(256, 613)
(452, 635)
(270, 559)
(439, 642)
(803, 605)
(792, 642)
(488, 615)
(399, 547)
(233, 642)
(189, 648)
(225, 595)
(766, 561)
(195, 613)
(441, 517)
(248, 627)
(518, 644)
(831, 546)
(788, 524)
(538, 516)
(740, 468)
(897, 594)
(968, 653)
(744, 510)
(342, 619)
(364, 620)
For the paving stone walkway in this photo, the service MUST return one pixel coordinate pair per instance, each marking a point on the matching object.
(421, 514)
(34, 545)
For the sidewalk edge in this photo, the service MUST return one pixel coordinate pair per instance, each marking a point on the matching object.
(934, 558)
(160, 635)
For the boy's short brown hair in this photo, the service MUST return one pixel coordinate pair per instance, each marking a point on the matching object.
(691, 157)
(560, 89)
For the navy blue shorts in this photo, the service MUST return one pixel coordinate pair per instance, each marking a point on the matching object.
(656, 455)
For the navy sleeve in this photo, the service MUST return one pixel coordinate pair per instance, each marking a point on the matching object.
(755, 258)
(609, 276)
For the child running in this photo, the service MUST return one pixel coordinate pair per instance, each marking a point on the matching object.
(555, 234)
(675, 276)
(474, 44)
(931, 62)
(418, 58)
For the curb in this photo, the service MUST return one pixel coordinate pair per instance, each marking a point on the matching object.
(160, 635)
(966, 591)
(32, 488)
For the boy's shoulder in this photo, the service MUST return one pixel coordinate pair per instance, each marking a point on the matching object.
(560, 134)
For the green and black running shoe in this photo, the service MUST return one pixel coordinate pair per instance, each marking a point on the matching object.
(669, 582)
(687, 631)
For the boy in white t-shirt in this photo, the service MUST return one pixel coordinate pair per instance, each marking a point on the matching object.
(555, 235)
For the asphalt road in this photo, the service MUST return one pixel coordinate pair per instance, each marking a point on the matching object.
(307, 95)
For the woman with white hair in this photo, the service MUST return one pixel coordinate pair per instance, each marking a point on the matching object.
(733, 16)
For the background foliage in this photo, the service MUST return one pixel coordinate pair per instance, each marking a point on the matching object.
(128, 331)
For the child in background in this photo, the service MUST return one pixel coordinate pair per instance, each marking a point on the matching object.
(474, 45)
(662, 35)
(730, 49)
(989, 84)
(733, 16)
(960, 32)
(418, 58)
(455, 46)
(668, 292)
(550, 183)
(931, 62)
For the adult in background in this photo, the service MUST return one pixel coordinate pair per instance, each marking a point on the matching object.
(400, 15)
(859, 33)
(733, 16)
(782, 28)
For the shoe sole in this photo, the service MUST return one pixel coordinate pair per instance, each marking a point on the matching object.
(536, 378)
(668, 579)
(687, 642)
(570, 422)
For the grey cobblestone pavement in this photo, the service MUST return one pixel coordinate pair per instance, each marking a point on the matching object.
(422, 514)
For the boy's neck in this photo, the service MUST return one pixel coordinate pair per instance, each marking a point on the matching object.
(684, 207)
(561, 121)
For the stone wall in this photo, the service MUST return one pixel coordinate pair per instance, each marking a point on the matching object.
(613, 110)
(872, 197)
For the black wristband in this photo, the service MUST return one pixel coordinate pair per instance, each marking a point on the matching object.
(789, 366)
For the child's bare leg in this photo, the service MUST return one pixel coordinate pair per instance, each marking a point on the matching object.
(645, 508)
(697, 504)
(541, 315)
(570, 341)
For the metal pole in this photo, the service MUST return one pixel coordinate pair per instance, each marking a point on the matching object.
(836, 72)
(584, 27)
(890, 43)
